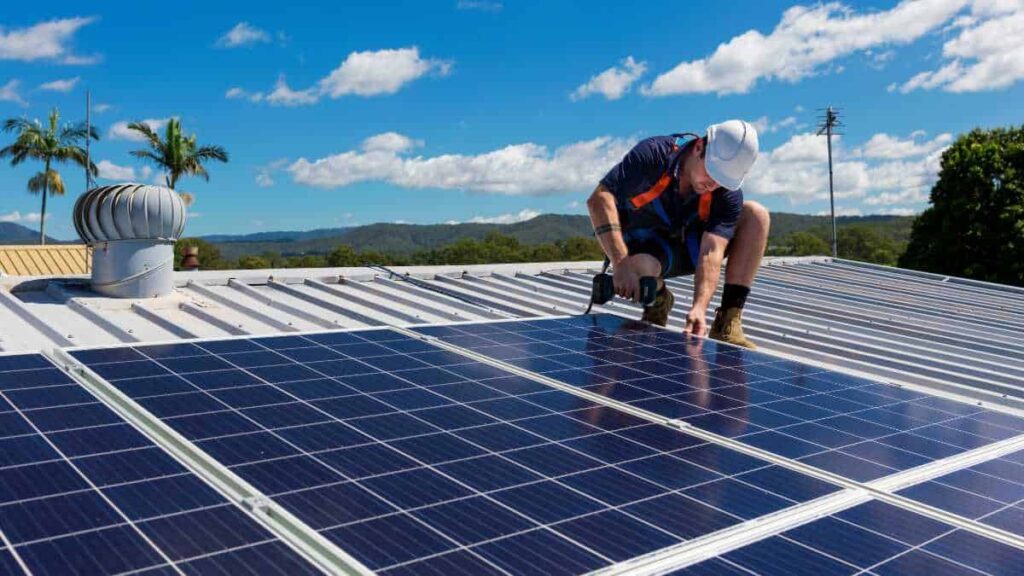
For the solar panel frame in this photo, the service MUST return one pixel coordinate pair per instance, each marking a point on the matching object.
(85, 523)
(464, 367)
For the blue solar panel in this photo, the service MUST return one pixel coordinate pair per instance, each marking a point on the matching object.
(854, 427)
(412, 458)
(82, 491)
(991, 492)
(871, 538)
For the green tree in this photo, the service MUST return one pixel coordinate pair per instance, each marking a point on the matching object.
(253, 263)
(178, 155)
(209, 255)
(807, 244)
(975, 224)
(50, 144)
(866, 244)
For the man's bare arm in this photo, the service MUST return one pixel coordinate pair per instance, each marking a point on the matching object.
(709, 266)
(604, 216)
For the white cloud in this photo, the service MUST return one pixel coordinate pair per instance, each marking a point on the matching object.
(9, 93)
(64, 85)
(521, 216)
(110, 171)
(380, 72)
(237, 93)
(899, 211)
(613, 83)
(44, 41)
(885, 171)
(766, 126)
(390, 142)
(804, 41)
(519, 169)
(370, 73)
(19, 218)
(265, 175)
(120, 130)
(284, 96)
(884, 146)
(101, 108)
(986, 54)
(242, 34)
(481, 5)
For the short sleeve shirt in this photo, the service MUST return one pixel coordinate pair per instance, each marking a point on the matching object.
(671, 213)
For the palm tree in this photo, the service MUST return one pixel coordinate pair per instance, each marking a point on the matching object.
(177, 154)
(50, 144)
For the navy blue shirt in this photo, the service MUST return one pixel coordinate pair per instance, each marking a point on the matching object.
(671, 212)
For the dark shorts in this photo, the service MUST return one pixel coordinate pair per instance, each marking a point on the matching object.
(677, 254)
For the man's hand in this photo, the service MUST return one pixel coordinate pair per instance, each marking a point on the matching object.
(696, 322)
(625, 279)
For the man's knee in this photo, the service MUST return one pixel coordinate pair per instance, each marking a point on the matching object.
(645, 265)
(754, 213)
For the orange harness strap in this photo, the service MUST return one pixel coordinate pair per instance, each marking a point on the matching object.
(652, 194)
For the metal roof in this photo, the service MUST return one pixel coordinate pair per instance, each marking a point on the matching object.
(951, 335)
(40, 260)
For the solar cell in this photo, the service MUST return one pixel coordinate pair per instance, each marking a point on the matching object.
(82, 491)
(411, 458)
(871, 538)
(854, 427)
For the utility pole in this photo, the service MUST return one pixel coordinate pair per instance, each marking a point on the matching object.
(828, 126)
(88, 138)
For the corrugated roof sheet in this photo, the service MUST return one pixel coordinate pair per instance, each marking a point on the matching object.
(55, 260)
(948, 334)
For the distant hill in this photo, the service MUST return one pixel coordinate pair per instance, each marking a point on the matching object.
(408, 238)
(11, 233)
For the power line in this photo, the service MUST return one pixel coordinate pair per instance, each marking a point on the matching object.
(828, 123)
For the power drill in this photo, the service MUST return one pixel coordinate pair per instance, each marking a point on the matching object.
(603, 289)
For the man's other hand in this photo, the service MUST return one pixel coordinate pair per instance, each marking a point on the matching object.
(626, 280)
(696, 322)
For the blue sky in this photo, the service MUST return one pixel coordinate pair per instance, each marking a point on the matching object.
(422, 112)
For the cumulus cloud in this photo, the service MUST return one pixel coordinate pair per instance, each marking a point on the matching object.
(265, 174)
(613, 83)
(987, 53)
(370, 73)
(885, 146)
(64, 85)
(44, 41)
(803, 43)
(519, 169)
(120, 130)
(110, 171)
(101, 108)
(766, 126)
(19, 218)
(885, 171)
(243, 34)
(10, 93)
(511, 218)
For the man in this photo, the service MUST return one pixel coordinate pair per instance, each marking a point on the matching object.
(674, 207)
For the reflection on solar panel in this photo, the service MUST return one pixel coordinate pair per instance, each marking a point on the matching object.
(415, 459)
(874, 537)
(82, 491)
(857, 428)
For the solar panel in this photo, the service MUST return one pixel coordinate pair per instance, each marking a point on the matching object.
(857, 428)
(991, 492)
(871, 538)
(416, 459)
(82, 491)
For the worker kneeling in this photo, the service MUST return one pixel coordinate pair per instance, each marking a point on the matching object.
(672, 207)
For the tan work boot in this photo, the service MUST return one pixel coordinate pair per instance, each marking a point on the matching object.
(728, 327)
(657, 312)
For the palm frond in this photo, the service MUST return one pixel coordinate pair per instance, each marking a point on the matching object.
(47, 181)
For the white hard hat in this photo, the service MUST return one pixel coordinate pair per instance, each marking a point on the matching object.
(731, 151)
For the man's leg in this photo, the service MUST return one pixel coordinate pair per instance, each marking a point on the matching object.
(745, 252)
